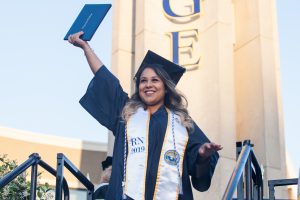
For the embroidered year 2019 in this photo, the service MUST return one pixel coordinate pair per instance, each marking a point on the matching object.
(137, 145)
(172, 157)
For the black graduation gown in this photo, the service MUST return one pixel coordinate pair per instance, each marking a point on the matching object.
(104, 100)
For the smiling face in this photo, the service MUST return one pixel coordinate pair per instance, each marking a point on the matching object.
(151, 89)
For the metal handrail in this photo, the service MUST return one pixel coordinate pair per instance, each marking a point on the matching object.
(280, 182)
(237, 173)
(33, 158)
(54, 173)
(63, 161)
(257, 176)
(248, 163)
(33, 161)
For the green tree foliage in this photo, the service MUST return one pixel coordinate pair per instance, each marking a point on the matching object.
(19, 188)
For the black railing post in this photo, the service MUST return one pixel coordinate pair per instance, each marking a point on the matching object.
(89, 195)
(34, 174)
(59, 177)
(80, 176)
(63, 161)
(248, 179)
(257, 177)
(240, 187)
(33, 181)
(259, 192)
(248, 173)
(271, 191)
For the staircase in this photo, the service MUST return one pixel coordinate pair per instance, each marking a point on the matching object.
(246, 178)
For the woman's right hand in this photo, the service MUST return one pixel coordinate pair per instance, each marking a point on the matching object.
(94, 62)
(76, 41)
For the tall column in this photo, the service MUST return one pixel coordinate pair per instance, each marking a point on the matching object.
(200, 38)
(259, 112)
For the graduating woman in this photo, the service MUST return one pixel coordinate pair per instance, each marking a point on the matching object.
(157, 145)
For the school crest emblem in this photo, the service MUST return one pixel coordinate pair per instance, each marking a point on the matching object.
(172, 157)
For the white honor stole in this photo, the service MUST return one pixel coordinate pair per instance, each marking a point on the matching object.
(167, 183)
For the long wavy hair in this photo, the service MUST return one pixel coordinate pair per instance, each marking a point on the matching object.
(173, 100)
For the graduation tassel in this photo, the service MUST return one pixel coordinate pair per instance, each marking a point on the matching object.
(180, 186)
(180, 195)
(123, 187)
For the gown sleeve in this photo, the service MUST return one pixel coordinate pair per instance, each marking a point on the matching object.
(201, 170)
(104, 99)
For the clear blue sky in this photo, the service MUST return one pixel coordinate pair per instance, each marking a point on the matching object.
(288, 16)
(42, 77)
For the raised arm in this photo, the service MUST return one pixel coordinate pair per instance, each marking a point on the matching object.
(104, 98)
(92, 59)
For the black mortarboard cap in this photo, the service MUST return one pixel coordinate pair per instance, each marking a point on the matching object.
(106, 163)
(152, 59)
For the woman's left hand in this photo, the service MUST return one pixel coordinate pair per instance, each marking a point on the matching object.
(207, 149)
